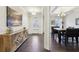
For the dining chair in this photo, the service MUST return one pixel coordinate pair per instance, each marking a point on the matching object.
(54, 31)
(73, 33)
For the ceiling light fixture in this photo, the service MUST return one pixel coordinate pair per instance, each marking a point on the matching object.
(33, 13)
(61, 14)
(33, 10)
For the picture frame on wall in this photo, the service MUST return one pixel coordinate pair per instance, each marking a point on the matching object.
(13, 18)
(77, 21)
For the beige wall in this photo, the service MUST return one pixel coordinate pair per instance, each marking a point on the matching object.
(2, 19)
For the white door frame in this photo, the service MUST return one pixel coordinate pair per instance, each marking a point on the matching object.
(47, 29)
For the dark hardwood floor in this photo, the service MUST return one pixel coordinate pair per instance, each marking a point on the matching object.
(56, 47)
(36, 44)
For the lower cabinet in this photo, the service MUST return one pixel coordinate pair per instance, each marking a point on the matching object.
(10, 42)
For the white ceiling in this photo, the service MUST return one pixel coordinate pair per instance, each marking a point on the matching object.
(38, 9)
(62, 9)
(33, 10)
(28, 9)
